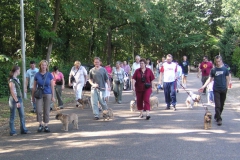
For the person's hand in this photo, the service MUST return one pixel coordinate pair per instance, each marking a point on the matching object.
(18, 105)
(33, 99)
(95, 85)
(160, 82)
(53, 99)
(63, 86)
(201, 90)
(133, 88)
(197, 75)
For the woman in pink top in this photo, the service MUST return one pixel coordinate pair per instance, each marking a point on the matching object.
(59, 82)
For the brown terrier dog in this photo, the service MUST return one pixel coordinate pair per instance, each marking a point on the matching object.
(207, 120)
(85, 101)
(68, 118)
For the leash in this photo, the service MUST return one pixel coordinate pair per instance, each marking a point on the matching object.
(186, 91)
(205, 107)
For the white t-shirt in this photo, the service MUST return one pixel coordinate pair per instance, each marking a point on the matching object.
(30, 75)
(79, 77)
(169, 71)
(135, 66)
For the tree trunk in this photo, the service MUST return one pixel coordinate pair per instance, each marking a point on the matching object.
(109, 46)
(37, 37)
(54, 28)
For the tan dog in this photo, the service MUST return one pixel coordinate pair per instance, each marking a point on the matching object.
(68, 118)
(85, 101)
(133, 105)
(107, 114)
(207, 120)
(153, 101)
(192, 100)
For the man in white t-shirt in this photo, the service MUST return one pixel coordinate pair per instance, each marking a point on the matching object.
(169, 71)
(30, 80)
(135, 65)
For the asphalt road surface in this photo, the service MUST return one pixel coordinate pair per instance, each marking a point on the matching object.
(168, 135)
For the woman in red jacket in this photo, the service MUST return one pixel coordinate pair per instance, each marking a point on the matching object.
(142, 85)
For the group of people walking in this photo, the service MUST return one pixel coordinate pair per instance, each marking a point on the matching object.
(167, 72)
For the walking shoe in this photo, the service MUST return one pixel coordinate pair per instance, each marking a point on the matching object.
(119, 102)
(167, 108)
(148, 117)
(174, 108)
(46, 129)
(96, 118)
(14, 134)
(219, 122)
(40, 128)
(27, 132)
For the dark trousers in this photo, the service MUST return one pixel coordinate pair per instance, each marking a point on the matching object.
(204, 79)
(170, 93)
(219, 98)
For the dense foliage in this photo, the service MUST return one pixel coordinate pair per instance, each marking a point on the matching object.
(68, 30)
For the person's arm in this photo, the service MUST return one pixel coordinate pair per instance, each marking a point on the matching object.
(69, 78)
(133, 84)
(228, 80)
(210, 79)
(63, 82)
(26, 85)
(12, 87)
(34, 89)
(52, 88)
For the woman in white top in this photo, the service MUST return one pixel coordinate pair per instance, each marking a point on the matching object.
(149, 64)
(77, 79)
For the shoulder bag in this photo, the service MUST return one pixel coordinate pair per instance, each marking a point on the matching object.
(72, 79)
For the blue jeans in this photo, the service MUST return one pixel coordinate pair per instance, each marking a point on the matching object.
(170, 93)
(13, 106)
(33, 103)
(98, 96)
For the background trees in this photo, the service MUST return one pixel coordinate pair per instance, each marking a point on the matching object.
(68, 30)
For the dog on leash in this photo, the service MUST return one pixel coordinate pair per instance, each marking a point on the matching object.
(133, 105)
(107, 114)
(207, 119)
(192, 100)
(68, 118)
(153, 101)
(85, 101)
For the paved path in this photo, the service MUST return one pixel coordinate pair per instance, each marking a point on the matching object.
(168, 135)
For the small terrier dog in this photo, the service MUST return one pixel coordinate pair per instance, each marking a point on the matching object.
(85, 101)
(207, 120)
(107, 114)
(133, 105)
(153, 101)
(192, 100)
(68, 118)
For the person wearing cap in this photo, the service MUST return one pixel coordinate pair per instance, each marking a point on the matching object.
(59, 84)
(30, 80)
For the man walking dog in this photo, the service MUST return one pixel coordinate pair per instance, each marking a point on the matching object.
(220, 76)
